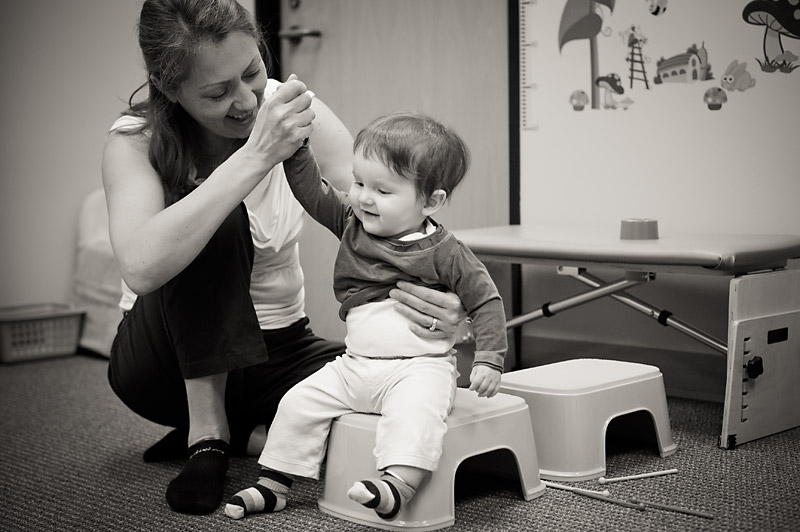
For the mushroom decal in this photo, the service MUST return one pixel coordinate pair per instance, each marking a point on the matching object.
(715, 97)
(785, 60)
(579, 99)
(625, 103)
(610, 83)
(779, 17)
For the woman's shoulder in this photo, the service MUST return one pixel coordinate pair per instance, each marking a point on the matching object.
(127, 123)
(126, 143)
(128, 130)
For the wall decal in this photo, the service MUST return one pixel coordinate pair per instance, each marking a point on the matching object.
(737, 77)
(583, 19)
(714, 98)
(727, 29)
(687, 67)
(578, 100)
(657, 7)
(610, 84)
(779, 18)
(635, 40)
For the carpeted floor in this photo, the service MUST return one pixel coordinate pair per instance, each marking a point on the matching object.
(71, 460)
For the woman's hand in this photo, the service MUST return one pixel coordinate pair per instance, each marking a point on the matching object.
(284, 121)
(433, 314)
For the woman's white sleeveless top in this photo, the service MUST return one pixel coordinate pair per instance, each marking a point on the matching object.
(276, 221)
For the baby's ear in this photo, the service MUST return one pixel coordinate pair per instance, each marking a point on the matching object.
(434, 202)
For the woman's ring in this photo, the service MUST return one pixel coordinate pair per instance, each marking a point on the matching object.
(433, 325)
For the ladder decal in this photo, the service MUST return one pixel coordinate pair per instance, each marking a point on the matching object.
(636, 59)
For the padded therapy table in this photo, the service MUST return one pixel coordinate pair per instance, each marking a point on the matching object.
(762, 395)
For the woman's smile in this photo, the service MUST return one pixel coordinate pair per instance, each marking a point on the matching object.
(242, 121)
(241, 117)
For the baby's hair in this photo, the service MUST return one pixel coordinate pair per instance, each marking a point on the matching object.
(416, 147)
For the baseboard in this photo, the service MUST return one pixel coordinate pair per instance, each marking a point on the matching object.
(692, 375)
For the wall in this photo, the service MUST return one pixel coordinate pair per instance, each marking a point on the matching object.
(68, 69)
(662, 154)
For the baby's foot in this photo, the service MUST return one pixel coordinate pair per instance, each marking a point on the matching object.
(385, 495)
(268, 495)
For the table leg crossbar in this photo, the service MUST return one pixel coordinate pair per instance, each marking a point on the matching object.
(616, 290)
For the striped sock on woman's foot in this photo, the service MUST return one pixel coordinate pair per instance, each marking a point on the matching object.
(385, 495)
(268, 495)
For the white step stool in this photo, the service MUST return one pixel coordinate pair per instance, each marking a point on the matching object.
(475, 426)
(572, 403)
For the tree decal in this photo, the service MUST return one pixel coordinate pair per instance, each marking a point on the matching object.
(583, 19)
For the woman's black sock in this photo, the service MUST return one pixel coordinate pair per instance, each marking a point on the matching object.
(198, 488)
(170, 447)
(173, 446)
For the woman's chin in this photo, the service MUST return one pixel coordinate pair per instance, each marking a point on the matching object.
(237, 128)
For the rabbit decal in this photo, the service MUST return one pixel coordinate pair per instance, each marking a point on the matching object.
(737, 78)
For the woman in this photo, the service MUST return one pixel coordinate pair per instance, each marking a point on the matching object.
(205, 230)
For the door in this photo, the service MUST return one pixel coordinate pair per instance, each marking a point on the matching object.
(446, 58)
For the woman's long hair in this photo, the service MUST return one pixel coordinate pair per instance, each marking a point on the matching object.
(170, 32)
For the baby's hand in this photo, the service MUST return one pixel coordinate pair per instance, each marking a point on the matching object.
(484, 380)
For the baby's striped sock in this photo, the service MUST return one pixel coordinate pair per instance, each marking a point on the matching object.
(385, 495)
(268, 495)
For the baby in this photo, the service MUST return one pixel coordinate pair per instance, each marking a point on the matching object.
(405, 168)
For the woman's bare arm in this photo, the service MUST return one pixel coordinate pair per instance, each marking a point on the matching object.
(153, 243)
(333, 146)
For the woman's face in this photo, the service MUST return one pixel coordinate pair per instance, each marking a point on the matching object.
(225, 86)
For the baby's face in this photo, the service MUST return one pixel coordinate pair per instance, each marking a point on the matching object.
(386, 203)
